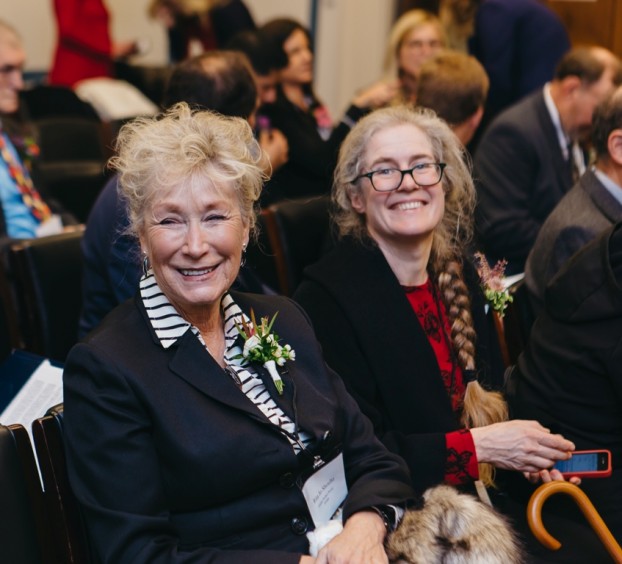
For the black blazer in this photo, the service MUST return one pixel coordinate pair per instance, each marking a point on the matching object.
(372, 338)
(172, 463)
(569, 378)
(520, 174)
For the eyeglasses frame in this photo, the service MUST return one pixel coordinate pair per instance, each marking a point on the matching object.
(404, 172)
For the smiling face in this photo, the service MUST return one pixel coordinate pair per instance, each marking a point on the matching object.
(418, 46)
(407, 216)
(12, 58)
(193, 235)
(299, 69)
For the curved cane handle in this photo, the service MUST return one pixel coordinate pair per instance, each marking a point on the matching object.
(534, 516)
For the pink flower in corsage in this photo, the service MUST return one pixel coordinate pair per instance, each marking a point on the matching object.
(262, 346)
(491, 281)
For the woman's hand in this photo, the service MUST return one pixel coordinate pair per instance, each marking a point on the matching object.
(552, 475)
(275, 145)
(525, 446)
(377, 95)
(360, 542)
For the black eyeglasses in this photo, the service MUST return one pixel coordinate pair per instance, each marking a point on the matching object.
(389, 179)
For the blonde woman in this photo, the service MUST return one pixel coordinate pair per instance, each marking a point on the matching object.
(415, 37)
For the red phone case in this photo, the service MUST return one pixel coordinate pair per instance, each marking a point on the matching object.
(605, 473)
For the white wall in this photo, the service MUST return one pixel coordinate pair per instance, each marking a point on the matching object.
(349, 44)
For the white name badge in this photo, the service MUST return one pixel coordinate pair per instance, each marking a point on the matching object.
(325, 490)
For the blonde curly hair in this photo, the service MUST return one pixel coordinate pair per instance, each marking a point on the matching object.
(200, 148)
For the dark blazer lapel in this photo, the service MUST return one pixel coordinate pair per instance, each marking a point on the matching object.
(559, 164)
(316, 420)
(286, 399)
(192, 363)
(365, 286)
(296, 391)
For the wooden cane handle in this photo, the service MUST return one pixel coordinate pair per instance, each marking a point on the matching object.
(534, 516)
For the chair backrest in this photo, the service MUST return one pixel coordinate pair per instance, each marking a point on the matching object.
(44, 101)
(298, 231)
(70, 138)
(23, 538)
(9, 329)
(73, 159)
(47, 274)
(67, 528)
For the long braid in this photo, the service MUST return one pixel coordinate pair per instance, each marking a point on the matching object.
(481, 407)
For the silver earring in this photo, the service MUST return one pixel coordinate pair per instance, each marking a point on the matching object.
(243, 260)
(146, 264)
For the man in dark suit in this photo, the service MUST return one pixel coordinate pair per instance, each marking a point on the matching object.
(529, 155)
(593, 204)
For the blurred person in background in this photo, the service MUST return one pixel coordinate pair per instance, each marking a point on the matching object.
(266, 62)
(593, 204)
(455, 86)
(313, 137)
(414, 38)
(532, 154)
(84, 48)
(195, 26)
(26, 211)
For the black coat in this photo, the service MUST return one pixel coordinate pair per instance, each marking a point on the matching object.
(520, 175)
(570, 376)
(372, 338)
(172, 463)
(309, 169)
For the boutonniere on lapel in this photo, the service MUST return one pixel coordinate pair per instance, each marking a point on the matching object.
(493, 286)
(262, 346)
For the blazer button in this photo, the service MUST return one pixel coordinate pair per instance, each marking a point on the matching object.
(299, 525)
(287, 480)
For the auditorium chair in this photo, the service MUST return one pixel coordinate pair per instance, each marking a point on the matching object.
(46, 279)
(65, 520)
(298, 232)
(23, 531)
(72, 165)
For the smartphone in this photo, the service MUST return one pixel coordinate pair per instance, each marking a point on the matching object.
(586, 464)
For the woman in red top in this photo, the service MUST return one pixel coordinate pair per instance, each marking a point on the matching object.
(84, 48)
(399, 313)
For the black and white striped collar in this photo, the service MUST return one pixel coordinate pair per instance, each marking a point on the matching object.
(169, 325)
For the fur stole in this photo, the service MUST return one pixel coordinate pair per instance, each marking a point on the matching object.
(449, 528)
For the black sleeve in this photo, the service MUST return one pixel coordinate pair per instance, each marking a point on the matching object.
(424, 453)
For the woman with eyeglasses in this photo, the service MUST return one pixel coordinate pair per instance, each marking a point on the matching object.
(399, 313)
